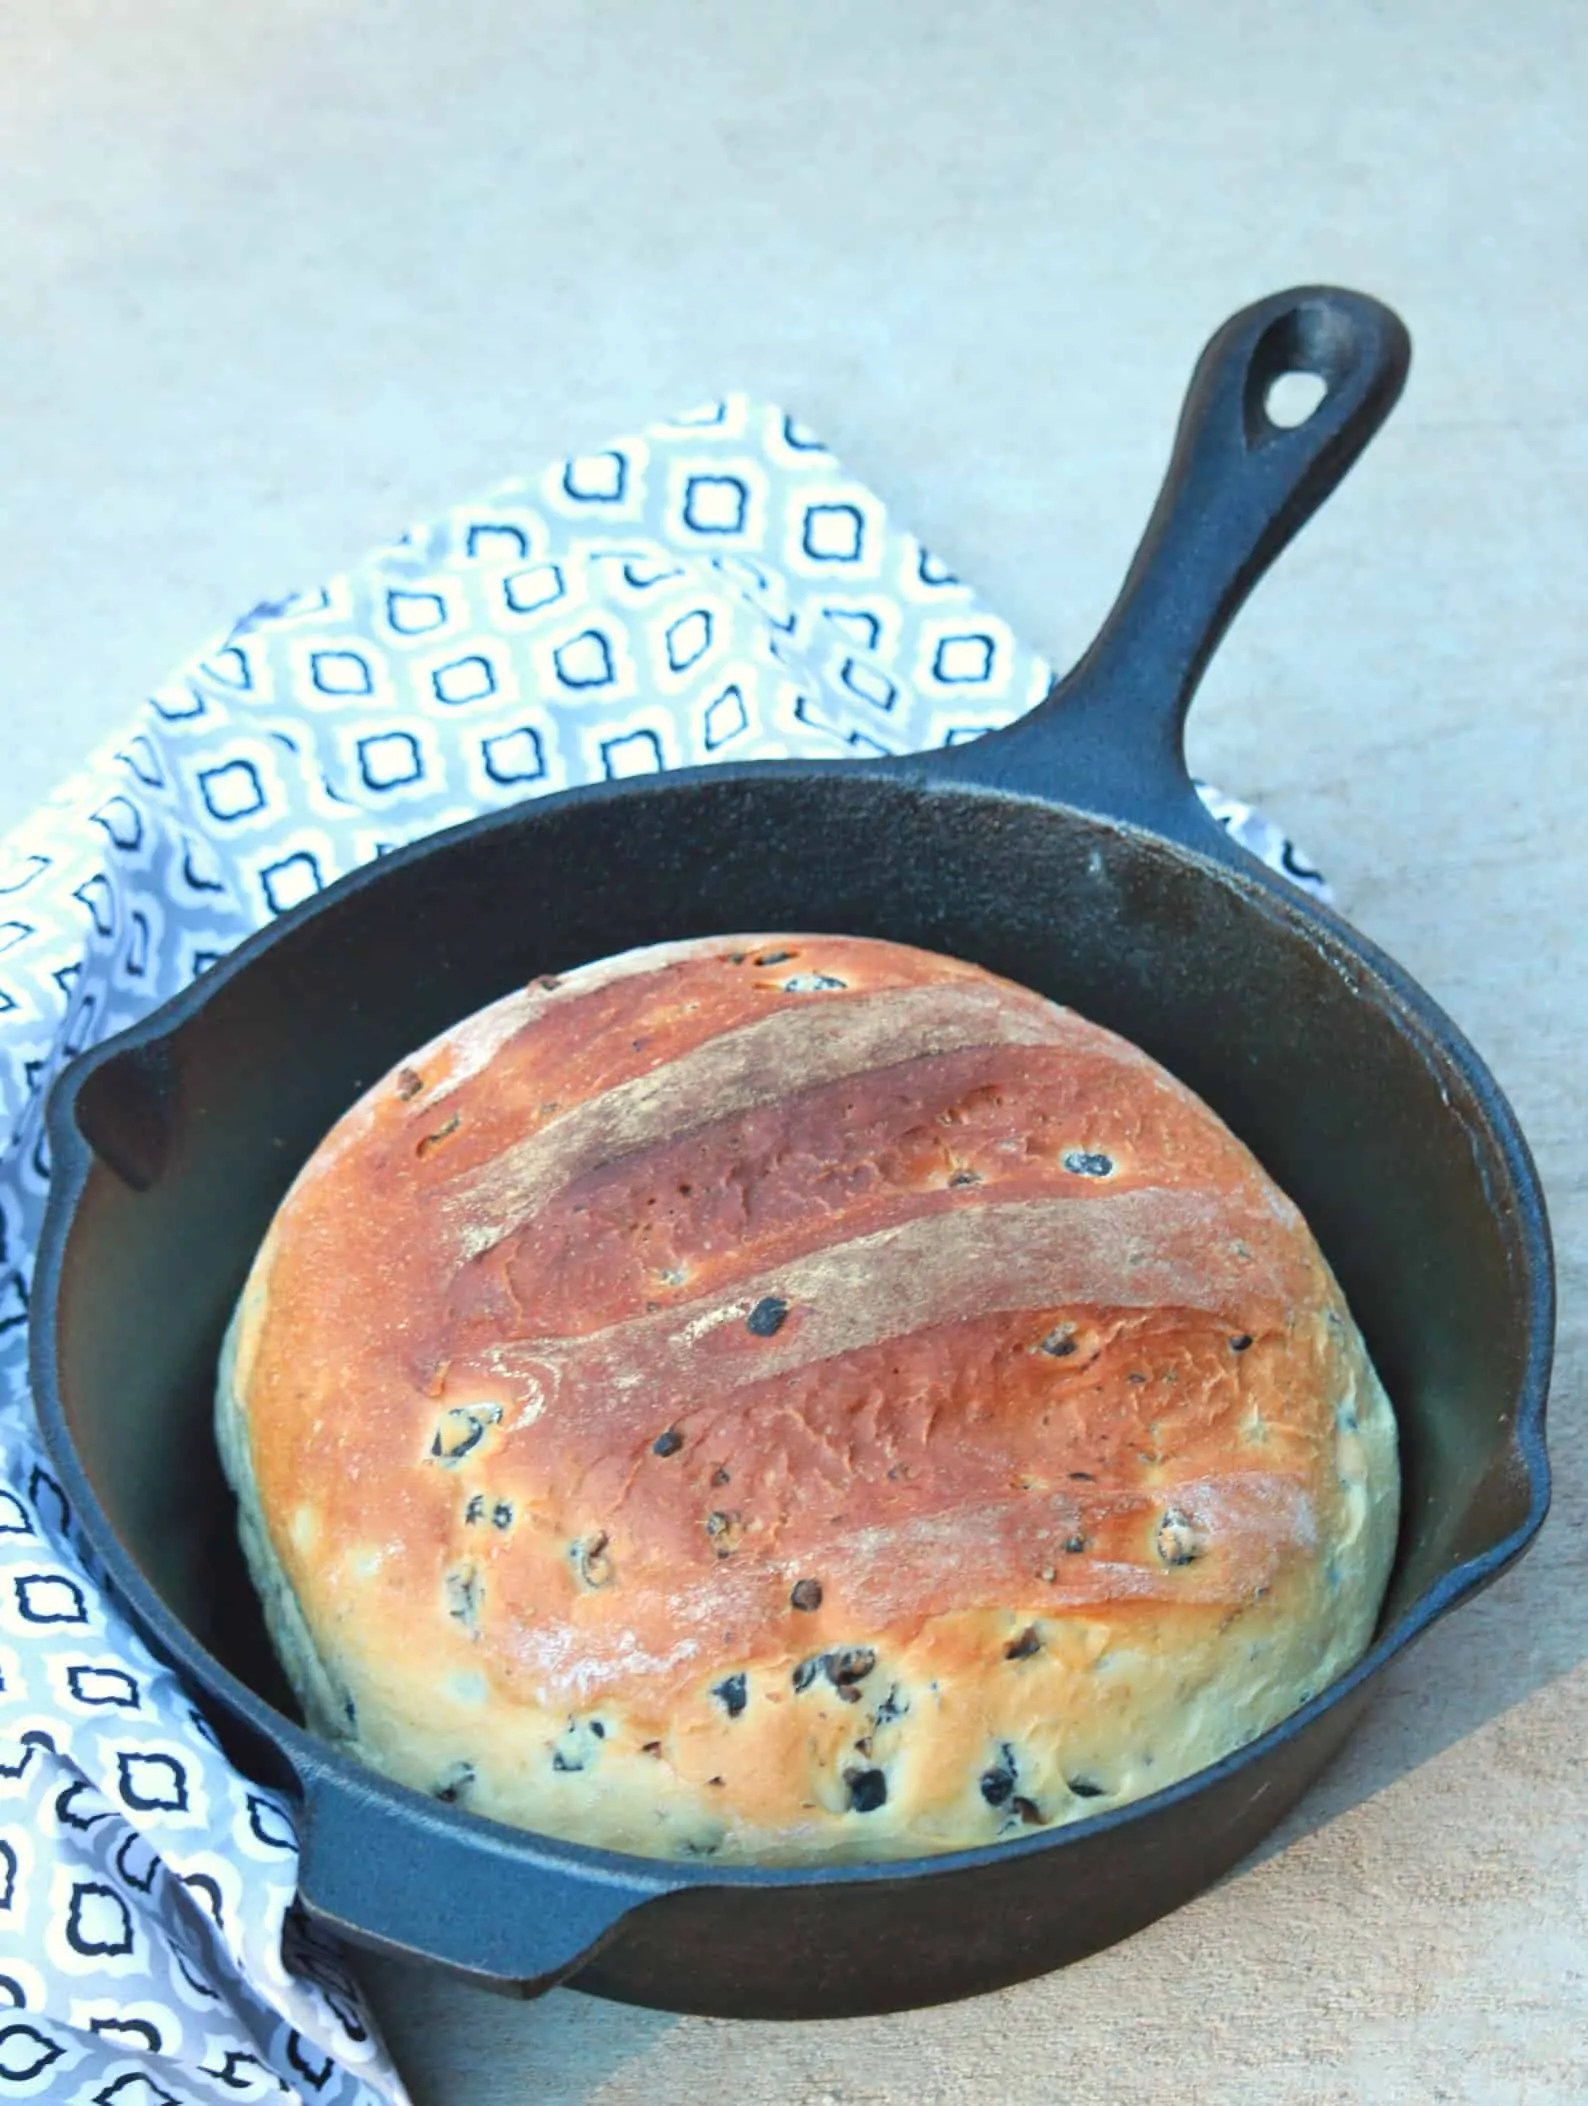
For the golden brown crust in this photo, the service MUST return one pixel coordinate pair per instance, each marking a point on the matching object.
(761, 1301)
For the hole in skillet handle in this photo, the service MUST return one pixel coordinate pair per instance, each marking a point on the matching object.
(1297, 363)
(1292, 398)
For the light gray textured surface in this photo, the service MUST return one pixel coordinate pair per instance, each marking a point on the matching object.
(277, 279)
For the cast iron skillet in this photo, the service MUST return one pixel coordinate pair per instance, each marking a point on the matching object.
(1069, 852)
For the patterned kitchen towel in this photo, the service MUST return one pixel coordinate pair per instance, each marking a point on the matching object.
(717, 586)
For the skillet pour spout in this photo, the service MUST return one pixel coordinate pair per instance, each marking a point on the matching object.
(1069, 852)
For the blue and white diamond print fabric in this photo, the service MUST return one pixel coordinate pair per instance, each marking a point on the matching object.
(715, 587)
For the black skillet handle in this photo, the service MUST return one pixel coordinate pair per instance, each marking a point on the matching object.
(454, 1896)
(1110, 735)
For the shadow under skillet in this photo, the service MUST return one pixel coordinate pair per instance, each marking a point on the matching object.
(447, 2037)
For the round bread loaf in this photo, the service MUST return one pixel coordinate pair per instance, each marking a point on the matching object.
(784, 1398)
